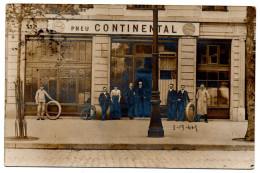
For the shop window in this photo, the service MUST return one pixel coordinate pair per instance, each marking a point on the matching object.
(214, 8)
(218, 84)
(145, 7)
(63, 67)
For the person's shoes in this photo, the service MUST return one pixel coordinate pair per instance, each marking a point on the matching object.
(169, 120)
(38, 118)
(206, 121)
(42, 118)
(131, 118)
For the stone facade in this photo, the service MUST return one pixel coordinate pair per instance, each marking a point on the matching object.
(228, 24)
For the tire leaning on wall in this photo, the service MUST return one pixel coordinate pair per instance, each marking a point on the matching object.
(190, 117)
(53, 117)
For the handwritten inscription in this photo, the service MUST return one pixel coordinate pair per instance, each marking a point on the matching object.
(185, 127)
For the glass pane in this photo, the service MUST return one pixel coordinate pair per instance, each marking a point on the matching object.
(213, 50)
(213, 96)
(167, 74)
(88, 85)
(82, 51)
(201, 75)
(144, 49)
(69, 51)
(72, 90)
(120, 49)
(139, 63)
(223, 93)
(224, 54)
(212, 83)
(63, 90)
(148, 63)
(214, 59)
(212, 75)
(128, 62)
(52, 88)
(224, 75)
(168, 47)
(198, 83)
(28, 90)
(88, 52)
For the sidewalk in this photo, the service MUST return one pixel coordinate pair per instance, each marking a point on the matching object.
(129, 134)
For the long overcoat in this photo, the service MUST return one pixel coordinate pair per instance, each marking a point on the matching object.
(202, 97)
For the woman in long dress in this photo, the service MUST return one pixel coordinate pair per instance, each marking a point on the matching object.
(115, 107)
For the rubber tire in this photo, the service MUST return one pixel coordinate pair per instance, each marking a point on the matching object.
(190, 104)
(83, 112)
(53, 117)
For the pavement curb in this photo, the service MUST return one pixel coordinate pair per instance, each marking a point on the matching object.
(129, 146)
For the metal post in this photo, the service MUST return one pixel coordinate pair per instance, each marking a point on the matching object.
(155, 127)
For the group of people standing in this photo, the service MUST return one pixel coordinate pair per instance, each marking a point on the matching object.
(134, 100)
(176, 103)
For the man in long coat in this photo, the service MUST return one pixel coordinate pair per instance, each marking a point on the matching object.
(140, 98)
(183, 97)
(130, 101)
(104, 99)
(202, 97)
(172, 104)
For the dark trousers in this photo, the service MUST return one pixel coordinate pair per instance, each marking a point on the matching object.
(130, 109)
(205, 117)
(104, 112)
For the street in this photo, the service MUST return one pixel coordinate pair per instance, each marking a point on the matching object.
(130, 158)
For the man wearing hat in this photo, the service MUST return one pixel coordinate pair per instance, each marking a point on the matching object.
(202, 97)
(172, 104)
(104, 99)
(40, 102)
(130, 100)
(183, 97)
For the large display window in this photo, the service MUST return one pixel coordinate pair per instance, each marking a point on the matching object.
(63, 66)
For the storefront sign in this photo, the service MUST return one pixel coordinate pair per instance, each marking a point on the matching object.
(122, 27)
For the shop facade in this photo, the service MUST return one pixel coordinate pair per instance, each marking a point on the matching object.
(108, 45)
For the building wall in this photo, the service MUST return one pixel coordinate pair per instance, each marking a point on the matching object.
(213, 25)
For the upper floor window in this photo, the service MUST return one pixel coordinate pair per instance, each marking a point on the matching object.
(214, 8)
(144, 7)
(213, 52)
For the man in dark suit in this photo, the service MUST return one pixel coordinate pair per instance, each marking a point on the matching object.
(172, 104)
(183, 97)
(104, 99)
(130, 100)
(140, 98)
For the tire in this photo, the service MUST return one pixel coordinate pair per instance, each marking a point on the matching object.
(50, 116)
(86, 113)
(187, 113)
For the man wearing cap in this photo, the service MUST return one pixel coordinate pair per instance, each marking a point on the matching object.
(40, 102)
(183, 97)
(140, 98)
(104, 99)
(130, 100)
(202, 97)
(172, 104)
